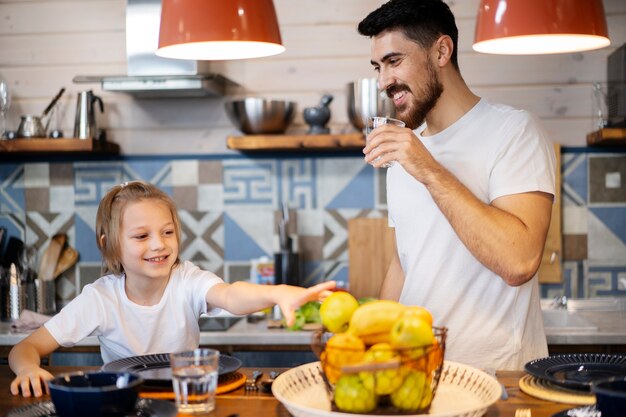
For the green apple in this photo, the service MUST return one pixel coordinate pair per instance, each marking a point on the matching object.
(410, 334)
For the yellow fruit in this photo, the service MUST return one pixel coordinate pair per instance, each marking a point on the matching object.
(336, 311)
(421, 312)
(341, 349)
(409, 333)
(352, 396)
(414, 393)
(372, 321)
(384, 381)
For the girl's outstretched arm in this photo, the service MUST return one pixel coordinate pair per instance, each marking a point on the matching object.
(244, 298)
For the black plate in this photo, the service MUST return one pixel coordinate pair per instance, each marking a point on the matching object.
(155, 369)
(145, 408)
(584, 411)
(577, 370)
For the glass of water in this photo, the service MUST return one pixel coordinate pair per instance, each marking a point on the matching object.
(194, 379)
(372, 123)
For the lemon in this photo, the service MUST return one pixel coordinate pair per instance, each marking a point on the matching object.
(384, 381)
(414, 393)
(352, 396)
(336, 311)
(411, 332)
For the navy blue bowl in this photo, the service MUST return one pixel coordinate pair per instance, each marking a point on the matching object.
(611, 396)
(98, 394)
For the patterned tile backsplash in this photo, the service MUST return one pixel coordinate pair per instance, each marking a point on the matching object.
(229, 210)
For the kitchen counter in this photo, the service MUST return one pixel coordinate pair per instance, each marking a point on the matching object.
(609, 328)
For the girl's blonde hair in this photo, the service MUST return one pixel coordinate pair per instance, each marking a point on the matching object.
(109, 220)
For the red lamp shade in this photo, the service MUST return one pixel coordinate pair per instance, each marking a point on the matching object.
(524, 27)
(218, 29)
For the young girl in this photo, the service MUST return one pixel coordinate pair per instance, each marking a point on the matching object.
(148, 292)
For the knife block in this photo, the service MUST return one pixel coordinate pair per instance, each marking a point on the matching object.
(287, 268)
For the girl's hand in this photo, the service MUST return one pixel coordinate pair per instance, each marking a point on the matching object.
(35, 378)
(290, 297)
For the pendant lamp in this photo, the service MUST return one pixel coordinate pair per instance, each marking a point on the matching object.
(218, 29)
(526, 27)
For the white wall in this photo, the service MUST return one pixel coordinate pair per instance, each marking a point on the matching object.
(45, 43)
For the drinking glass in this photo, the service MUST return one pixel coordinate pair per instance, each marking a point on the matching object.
(5, 102)
(194, 379)
(372, 123)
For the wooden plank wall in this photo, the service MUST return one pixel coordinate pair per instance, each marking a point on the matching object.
(45, 43)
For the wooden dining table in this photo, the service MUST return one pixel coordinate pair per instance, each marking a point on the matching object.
(243, 403)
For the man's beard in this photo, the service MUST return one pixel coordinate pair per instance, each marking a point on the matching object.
(413, 113)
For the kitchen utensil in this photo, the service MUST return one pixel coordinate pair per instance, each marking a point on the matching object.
(50, 258)
(371, 245)
(577, 370)
(67, 259)
(463, 391)
(251, 383)
(14, 294)
(155, 369)
(254, 115)
(366, 100)
(97, 394)
(32, 126)
(85, 121)
(266, 384)
(317, 117)
(46, 296)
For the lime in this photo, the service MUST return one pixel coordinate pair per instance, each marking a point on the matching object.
(384, 381)
(352, 396)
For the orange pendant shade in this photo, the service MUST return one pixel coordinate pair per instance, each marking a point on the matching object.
(218, 29)
(524, 27)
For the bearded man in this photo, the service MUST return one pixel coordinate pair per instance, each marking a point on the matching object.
(469, 195)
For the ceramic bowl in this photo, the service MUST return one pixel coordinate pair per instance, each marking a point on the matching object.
(95, 394)
(610, 396)
(255, 116)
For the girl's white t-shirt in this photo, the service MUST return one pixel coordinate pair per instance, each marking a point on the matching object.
(126, 329)
(494, 150)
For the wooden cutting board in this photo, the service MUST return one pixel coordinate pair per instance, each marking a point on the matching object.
(371, 244)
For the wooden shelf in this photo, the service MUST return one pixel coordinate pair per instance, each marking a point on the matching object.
(348, 141)
(612, 136)
(62, 145)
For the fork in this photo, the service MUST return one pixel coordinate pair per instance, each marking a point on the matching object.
(251, 383)
(523, 412)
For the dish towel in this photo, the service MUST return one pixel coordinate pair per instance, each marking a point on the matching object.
(29, 321)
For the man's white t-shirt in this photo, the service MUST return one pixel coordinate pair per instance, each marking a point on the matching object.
(126, 329)
(494, 150)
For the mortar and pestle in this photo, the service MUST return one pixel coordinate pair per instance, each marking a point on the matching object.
(317, 117)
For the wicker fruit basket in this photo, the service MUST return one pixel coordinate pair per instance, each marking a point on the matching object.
(379, 379)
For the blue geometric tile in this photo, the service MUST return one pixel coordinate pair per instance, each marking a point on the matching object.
(250, 183)
(334, 177)
(298, 186)
(239, 245)
(614, 218)
(575, 183)
(12, 188)
(603, 280)
(157, 173)
(86, 236)
(15, 225)
(93, 180)
(358, 193)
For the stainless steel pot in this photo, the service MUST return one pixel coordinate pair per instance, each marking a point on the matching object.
(365, 100)
(31, 127)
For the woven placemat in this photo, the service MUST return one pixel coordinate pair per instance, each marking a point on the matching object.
(546, 390)
(226, 383)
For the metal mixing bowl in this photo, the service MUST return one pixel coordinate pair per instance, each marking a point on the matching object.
(365, 100)
(260, 116)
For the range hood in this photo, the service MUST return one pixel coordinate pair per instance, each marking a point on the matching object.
(149, 75)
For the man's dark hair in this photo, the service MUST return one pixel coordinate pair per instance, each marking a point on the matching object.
(422, 21)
